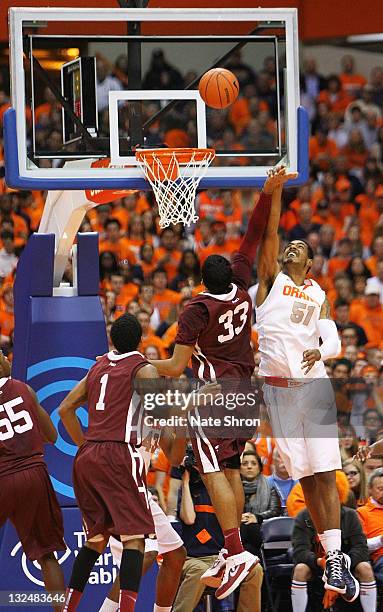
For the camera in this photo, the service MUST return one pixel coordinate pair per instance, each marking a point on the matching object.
(189, 462)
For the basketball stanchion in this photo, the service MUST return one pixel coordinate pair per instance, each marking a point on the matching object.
(174, 175)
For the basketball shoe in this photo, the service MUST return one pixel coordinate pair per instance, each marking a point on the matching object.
(236, 569)
(213, 576)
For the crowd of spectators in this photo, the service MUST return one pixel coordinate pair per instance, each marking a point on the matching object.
(153, 274)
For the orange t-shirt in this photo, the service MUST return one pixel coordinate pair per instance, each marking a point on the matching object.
(171, 267)
(337, 104)
(7, 321)
(165, 301)
(337, 264)
(225, 250)
(121, 249)
(371, 517)
(352, 82)
(371, 319)
(368, 218)
(209, 207)
(372, 264)
(329, 148)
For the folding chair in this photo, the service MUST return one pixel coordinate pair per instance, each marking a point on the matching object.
(276, 559)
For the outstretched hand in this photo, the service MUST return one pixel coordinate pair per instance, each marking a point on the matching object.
(277, 177)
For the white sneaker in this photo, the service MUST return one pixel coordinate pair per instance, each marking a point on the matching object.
(213, 576)
(237, 568)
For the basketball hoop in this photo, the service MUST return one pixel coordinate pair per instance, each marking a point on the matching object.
(174, 175)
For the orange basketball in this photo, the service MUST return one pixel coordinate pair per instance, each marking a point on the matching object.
(219, 88)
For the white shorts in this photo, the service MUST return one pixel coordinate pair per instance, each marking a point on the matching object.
(303, 419)
(166, 540)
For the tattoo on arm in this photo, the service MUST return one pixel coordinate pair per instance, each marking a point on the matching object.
(325, 312)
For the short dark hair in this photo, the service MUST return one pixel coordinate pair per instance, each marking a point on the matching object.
(343, 361)
(6, 235)
(341, 302)
(111, 220)
(217, 274)
(310, 251)
(126, 333)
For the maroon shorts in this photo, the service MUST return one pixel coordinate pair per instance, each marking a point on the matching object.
(216, 454)
(28, 500)
(110, 487)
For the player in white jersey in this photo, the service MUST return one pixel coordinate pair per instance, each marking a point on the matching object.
(292, 315)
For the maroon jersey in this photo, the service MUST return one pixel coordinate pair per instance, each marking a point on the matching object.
(219, 326)
(115, 411)
(21, 440)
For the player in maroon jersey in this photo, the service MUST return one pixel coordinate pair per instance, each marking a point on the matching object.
(108, 472)
(27, 497)
(214, 331)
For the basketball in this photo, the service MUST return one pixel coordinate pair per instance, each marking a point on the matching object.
(219, 88)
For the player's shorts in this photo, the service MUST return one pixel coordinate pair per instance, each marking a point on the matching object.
(166, 540)
(110, 487)
(28, 500)
(303, 419)
(215, 454)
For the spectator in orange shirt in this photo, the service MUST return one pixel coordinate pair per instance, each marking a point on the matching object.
(169, 336)
(115, 243)
(203, 236)
(221, 245)
(7, 321)
(336, 99)
(371, 517)
(322, 150)
(337, 217)
(148, 337)
(326, 239)
(352, 83)
(316, 272)
(351, 334)
(189, 271)
(342, 257)
(377, 249)
(370, 315)
(370, 212)
(231, 213)
(163, 299)
(305, 224)
(343, 190)
(209, 203)
(123, 292)
(136, 234)
(148, 261)
(355, 151)
(356, 268)
(6, 212)
(168, 255)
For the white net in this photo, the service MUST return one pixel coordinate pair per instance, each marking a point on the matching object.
(174, 175)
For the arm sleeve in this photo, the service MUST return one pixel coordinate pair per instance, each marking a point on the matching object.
(331, 346)
(192, 322)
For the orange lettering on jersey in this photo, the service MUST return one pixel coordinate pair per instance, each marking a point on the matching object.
(297, 293)
(294, 292)
(287, 290)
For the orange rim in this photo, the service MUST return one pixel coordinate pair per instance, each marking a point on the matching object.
(183, 156)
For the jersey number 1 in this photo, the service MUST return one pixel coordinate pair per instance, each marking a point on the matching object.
(103, 382)
(227, 320)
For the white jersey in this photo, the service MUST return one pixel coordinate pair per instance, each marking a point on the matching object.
(287, 325)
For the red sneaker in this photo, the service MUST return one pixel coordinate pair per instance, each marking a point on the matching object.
(237, 568)
(213, 576)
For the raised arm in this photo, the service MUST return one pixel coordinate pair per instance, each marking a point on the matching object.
(267, 266)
